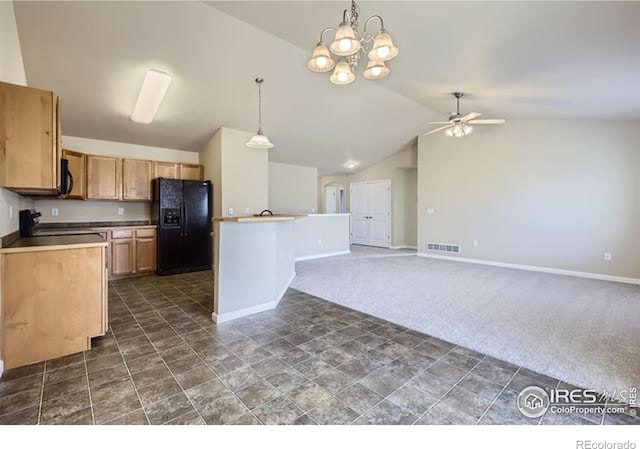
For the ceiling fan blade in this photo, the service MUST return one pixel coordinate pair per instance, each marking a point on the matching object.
(487, 121)
(439, 123)
(439, 129)
(470, 116)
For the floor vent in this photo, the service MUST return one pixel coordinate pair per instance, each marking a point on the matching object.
(443, 247)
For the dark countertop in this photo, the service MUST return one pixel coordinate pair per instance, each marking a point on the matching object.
(94, 224)
(55, 242)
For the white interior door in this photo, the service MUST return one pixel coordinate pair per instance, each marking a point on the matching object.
(330, 200)
(371, 213)
(380, 213)
(360, 228)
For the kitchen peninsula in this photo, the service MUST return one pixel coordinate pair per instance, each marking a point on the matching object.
(255, 257)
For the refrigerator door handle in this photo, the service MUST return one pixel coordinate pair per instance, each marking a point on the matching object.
(184, 217)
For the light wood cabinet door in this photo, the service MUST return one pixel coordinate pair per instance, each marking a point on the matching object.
(122, 257)
(136, 179)
(78, 169)
(169, 170)
(51, 309)
(104, 176)
(29, 138)
(192, 172)
(145, 254)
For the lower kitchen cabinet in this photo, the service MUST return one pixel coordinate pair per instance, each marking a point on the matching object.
(54, 300)
(133, 251)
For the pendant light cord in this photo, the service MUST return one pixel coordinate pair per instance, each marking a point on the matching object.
(259, 81)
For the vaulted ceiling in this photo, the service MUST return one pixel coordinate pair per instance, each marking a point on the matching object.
(516, 60)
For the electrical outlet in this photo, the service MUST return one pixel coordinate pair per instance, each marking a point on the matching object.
(430, 210)
(54, 212)
(475, 243)
(120, 211)
(231, 211)
(313, 210)
(247, 210)
(607, 257)
(319, 242)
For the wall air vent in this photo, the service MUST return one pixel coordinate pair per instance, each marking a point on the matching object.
(443, 247)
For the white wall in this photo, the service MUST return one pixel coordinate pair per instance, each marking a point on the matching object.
(11, 71)
(78, 210)
(543, 193)
(242, 181)
(321, 235)
(293, 189)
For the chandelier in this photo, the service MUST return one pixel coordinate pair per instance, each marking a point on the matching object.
(344, 52)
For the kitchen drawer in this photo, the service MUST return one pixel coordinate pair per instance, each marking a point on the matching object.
(148, 232)
(122, 233)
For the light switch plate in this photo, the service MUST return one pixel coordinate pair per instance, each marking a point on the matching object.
(607, 257)
(231, 211)
(247, 210)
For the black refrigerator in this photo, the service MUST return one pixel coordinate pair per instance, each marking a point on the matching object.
(182, 211)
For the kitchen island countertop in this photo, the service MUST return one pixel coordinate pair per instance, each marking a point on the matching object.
(52, 242)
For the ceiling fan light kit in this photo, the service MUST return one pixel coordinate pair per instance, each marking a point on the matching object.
(460, 125)
(347, 47)
(259, 141)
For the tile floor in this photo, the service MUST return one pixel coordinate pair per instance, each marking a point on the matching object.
(308, 361)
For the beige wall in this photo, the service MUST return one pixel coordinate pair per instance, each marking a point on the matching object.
(411, 207)
(293, 189)
(242, 180)
(78, 210)
(394, 168)
(11, 71)
(544, 193)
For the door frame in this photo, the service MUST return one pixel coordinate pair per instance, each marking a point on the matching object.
(388, 181)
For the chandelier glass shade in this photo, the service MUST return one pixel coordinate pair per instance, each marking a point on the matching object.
(321, 60)
(376, 70)
(343, 54)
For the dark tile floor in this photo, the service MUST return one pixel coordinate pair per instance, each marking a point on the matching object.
(308, 361)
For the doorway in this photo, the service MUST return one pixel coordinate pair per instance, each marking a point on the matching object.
(371, 213)
(330, 200)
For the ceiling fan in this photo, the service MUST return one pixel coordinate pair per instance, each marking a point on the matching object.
(459, 125)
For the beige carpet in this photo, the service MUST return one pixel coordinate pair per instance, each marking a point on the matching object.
(585, 332)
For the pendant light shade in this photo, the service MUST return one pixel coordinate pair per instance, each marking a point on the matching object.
(342, 74)
(259, 141)
(375, 70)
(383, 48)
(345, 42)
(321, 60)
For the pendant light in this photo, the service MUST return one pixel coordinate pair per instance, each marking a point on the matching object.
(375, 70)
(259, 141)
(383, 48)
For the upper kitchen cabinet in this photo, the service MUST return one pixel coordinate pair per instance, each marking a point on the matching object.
(30, 139)
(78, 170)
(191, 172)
(104, 178)
(169, 170)
(136, 179)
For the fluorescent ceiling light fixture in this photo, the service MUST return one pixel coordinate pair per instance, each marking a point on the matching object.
(152, 92)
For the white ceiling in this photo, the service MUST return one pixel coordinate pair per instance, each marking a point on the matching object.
(520, 60)
(516, 60)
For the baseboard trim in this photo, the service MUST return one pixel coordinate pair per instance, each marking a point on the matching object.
(404, 247)
(580, 274)
(319, 256)
(240, 313)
